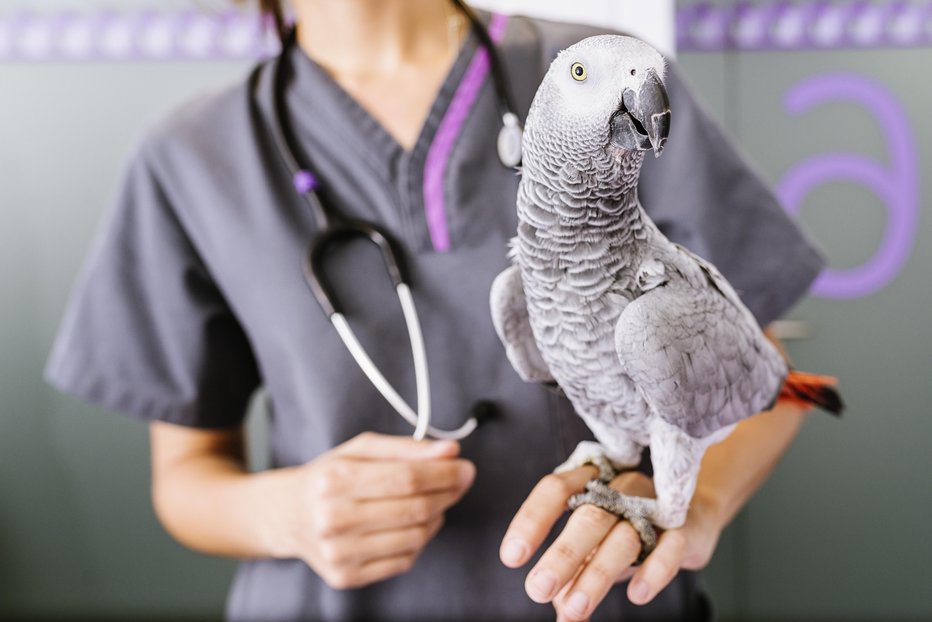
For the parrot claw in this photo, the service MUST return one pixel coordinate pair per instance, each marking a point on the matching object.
(588, 452)
(635, 510)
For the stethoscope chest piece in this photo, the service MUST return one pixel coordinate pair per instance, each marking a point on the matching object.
(510, 138)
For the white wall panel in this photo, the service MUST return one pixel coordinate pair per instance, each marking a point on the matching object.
(652, 20)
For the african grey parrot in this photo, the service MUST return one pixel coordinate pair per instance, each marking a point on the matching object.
(649, 342)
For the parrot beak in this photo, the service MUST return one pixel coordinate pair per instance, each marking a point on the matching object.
(642, 121)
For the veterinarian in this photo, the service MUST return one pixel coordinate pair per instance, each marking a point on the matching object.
(401, 114)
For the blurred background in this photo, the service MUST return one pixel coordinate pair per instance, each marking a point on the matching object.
(829, 98)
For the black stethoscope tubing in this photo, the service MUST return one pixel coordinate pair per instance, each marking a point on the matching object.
(333, 230)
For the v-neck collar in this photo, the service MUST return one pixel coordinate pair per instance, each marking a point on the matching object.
(312, 81)
(414, 179)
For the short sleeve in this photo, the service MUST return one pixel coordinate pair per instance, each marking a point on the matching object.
(704, 195)
(146, 331)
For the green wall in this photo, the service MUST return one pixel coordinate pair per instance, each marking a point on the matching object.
(78, 537)
(838, 533)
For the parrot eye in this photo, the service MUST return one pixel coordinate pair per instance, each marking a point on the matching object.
(578, 70)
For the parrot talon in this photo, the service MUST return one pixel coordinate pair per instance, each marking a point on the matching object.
(589, 453)
(632, 509)
(607, 471)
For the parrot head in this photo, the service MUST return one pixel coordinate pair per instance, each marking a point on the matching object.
(604, 95)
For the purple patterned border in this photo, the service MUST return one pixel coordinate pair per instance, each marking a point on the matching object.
(238, 35)
(812, 25)
(141, 35)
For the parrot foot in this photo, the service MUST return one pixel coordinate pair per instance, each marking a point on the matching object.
(635, 510)
(589, 452)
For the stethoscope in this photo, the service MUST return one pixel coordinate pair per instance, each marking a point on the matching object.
(333, 230)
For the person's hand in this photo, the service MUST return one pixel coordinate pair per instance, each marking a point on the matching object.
(596, 550)
(366, 509)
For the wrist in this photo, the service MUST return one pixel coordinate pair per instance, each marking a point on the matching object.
(704, 526)
(279, 503)
(710, 509)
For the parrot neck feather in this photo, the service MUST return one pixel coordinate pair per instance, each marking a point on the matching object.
(587, 233)
(600, 195)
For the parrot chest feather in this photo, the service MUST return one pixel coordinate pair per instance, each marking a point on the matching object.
(577, 285)
(591, 260)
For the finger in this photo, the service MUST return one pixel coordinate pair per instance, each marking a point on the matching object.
(373, 480)
(372, 446)
(387, 567)
(626, 574)
(634, 483)
(614, 555)
(372, 572)
(355, 550)
(659, 568)
(584, 530)
(398, 513)
(537, 515)
(560, 599)
(563, 617)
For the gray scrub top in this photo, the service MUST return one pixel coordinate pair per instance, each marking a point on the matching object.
(193, 295)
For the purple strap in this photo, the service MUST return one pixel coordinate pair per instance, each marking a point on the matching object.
(451, 126)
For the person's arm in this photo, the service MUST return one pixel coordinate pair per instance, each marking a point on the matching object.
(358, 514)
(595, 550)
(731, 473)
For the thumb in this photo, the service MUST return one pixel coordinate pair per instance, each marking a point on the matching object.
(373, 446)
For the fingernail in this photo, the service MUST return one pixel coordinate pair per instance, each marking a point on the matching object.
(443, 447)
(542, 586)
(577, 605)
(639, 592)
(467, 473)
(513, 552)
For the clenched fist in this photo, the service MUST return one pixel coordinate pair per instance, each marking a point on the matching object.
(367, 508)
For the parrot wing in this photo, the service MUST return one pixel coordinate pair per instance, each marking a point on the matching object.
(697, 354)
(509, 315)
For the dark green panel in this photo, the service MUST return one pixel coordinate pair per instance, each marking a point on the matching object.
(839, 531)
(77, 531)
(863, 481)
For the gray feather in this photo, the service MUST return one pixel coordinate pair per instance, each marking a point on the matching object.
(698, 361)
(648, 341)
(509, 316)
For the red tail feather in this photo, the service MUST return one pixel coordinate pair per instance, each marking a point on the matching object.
(808, 390)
